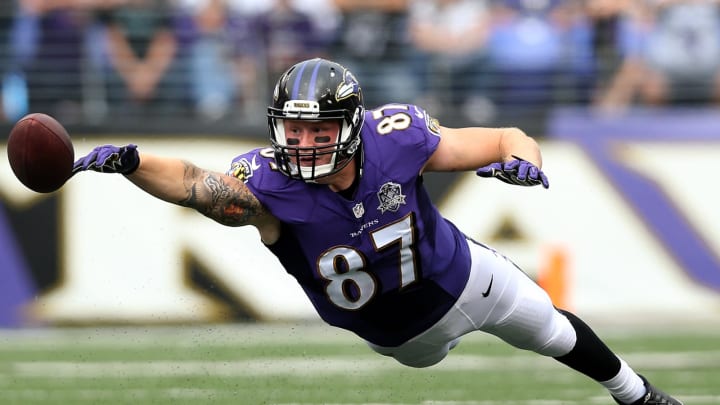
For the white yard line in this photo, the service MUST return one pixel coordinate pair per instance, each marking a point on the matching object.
(221, 335)
(329, 365)
(177, 336)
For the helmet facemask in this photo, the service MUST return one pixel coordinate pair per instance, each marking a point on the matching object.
(335, 97)
(289, 157)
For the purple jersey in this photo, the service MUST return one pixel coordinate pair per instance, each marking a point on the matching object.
(384, 264)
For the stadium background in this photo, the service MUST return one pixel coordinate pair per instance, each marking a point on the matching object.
(627, 234)
(109, 296)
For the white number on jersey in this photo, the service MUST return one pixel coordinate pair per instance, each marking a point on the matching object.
(396, 122)
(343, 265)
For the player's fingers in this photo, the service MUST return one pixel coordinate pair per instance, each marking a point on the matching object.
(522, 171)
(544, 180)
(489, 170)
(533, 172)
(511, 165)
(84, 162)
(485, 173)
(104, 156)
(78, 165)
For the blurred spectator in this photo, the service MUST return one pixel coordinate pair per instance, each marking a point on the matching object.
(373, 43)
(231, 49)
(671, 51)
(14, 100)
(605, 17)
(538, 48)
(449, 38)
(287, 35)
(209, 34)
(50, 51)
(325, 16)
(141, 48)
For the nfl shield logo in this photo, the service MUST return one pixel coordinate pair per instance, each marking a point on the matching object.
(359, 210)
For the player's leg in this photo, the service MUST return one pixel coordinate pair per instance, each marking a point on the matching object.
(622, 382)
(490, 301)
(500, 299)
(514, 308)
(522, 314)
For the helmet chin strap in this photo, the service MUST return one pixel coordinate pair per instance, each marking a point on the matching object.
(349, 192)
(360, 156)
(317, 171)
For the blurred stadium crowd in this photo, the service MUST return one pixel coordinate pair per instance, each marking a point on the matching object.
(209, 65)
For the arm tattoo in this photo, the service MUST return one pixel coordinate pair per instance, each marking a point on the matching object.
(226, 200)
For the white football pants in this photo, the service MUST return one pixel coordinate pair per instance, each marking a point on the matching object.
(516, 310)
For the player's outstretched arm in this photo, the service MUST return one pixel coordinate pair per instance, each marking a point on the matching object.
(507, 154)
(215, 195)
(462, 149)
(218, 196)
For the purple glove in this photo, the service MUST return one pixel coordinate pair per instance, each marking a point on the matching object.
(518, 171)
(109, 159)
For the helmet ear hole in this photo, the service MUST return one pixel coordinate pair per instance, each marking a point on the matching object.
(316, 89)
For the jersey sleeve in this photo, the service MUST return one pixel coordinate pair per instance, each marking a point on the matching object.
(257, 170)
(403, 133)
(277, 192)
(244, 167)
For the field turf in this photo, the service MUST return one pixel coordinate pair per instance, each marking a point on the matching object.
(315, 364)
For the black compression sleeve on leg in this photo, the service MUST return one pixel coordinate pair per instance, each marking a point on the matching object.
(590, 355)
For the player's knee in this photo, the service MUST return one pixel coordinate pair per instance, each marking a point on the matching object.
(549, 333)
(421, 361)
(413, 357)
(426, 358)
(560, 339)
(556, 338)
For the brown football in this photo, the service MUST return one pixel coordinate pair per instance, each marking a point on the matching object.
(40, 152)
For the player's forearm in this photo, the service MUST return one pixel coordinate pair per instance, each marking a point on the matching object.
(217, 196)
(469, 148)
(162, 177)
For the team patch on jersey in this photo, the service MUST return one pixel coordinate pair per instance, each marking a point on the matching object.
(391, 197)
(433, 125)
(243, 169)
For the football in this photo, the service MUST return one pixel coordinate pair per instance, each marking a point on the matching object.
(40, 152)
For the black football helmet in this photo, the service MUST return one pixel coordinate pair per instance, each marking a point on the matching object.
(316, 90)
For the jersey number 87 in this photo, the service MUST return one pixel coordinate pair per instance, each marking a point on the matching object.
(354, 270)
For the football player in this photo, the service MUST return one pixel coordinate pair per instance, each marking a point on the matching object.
(390, 269)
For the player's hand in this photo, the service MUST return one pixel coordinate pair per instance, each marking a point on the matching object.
(517, 171)
(109, 159)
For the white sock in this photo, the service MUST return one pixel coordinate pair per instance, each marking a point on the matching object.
(626, 386)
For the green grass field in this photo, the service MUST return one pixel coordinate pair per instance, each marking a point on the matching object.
(315, 364)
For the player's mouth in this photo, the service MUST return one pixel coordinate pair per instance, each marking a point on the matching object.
(308, 161)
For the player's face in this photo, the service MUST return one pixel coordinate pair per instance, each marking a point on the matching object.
(321, 135)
